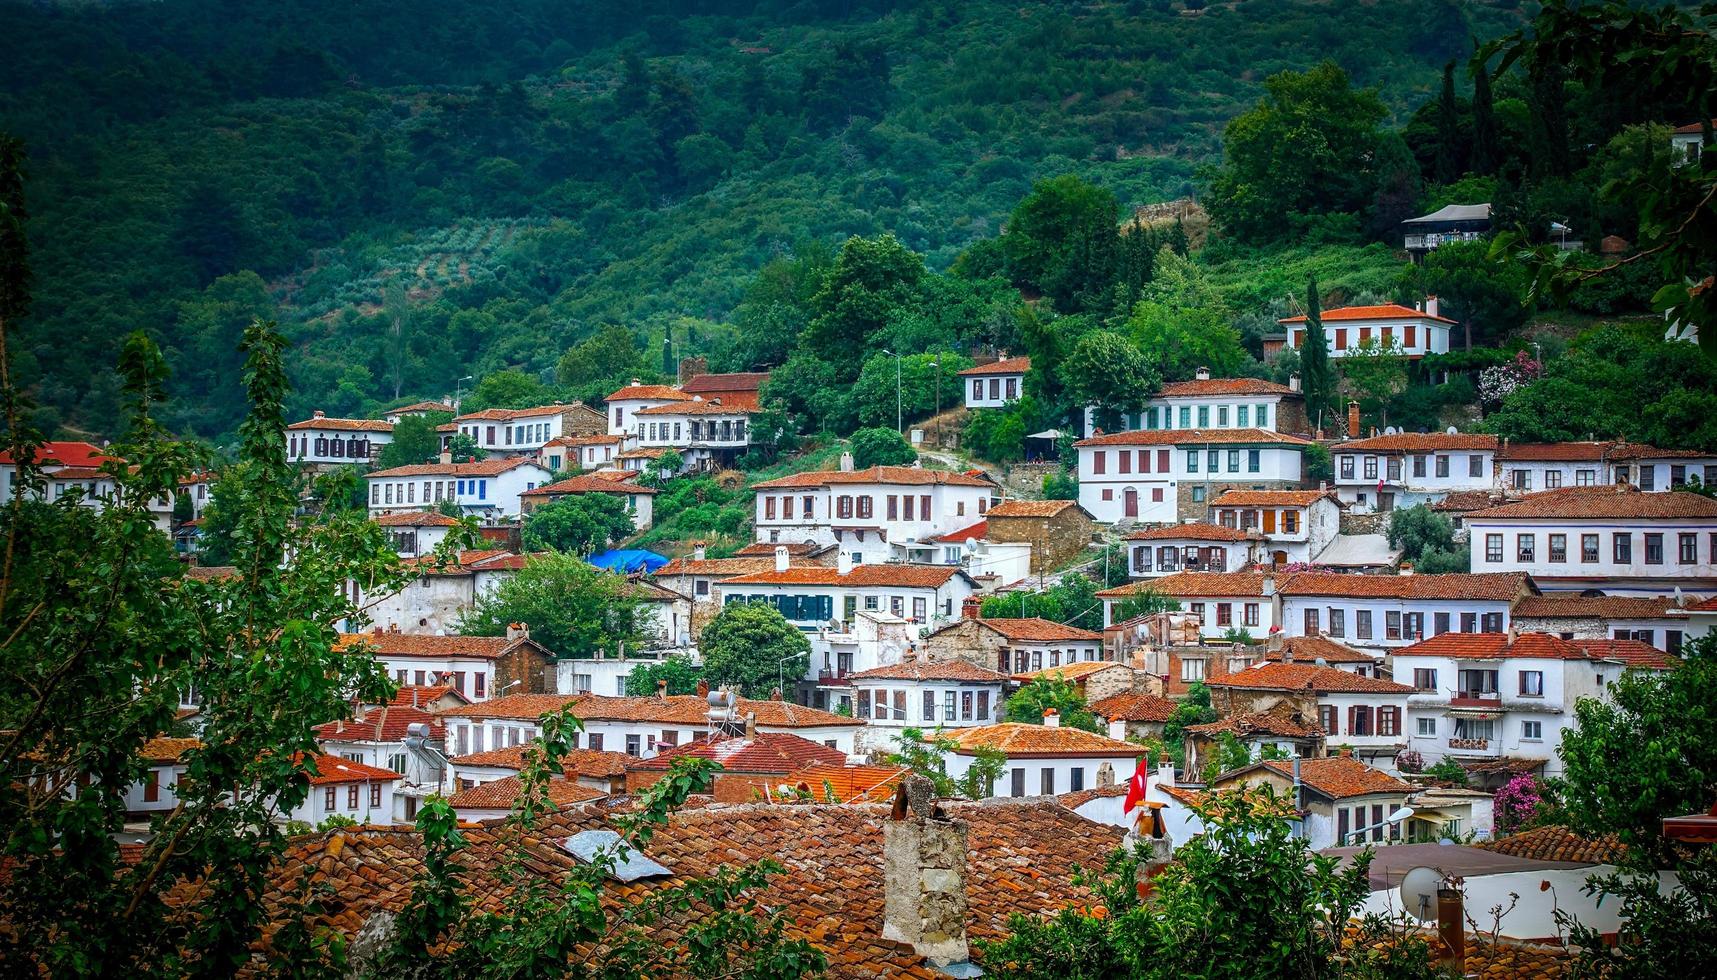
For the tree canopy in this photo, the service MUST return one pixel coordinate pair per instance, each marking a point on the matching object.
(578, 524)
(572, 609)
(752, 648)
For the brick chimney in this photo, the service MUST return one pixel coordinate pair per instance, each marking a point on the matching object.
(1353, 420)
(971, 608)
(924, 876)
(517, 632)
(703, 688)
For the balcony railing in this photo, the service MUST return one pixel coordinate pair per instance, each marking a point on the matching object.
(1217, 564)
(838, 678)
(1470, 744)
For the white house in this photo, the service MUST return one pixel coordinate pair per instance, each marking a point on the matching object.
(523, 431)
(1687, 142)
(489, 487)
(1221, 403)
(922, 694)
(441, 595)
(376, 736)
(1340, 800)
(1166, 476)
(1297, 525)
(876, 514)
(349, 789)
(971, 549)
(580, 452)
(628, 401)
(599, 770)
(1488, 696)
(1365, 714)
(1527, 467)
(416, 533)
(324, 441)
(639, 500)
(1659, 621)
(708, 435)
(1404, 469)
(813, 596)
(1190, 547)
(997, 384)
(476, 667)
(1378, 612)
(157, 791)
(1650, 469)
(1014, 645)
(1046, 759)
(1413, 333)
(417, 409)
(1222, 601)
(1611, 537)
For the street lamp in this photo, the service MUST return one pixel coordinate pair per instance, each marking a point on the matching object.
(459, 392)
(937, 365)
(899, 414)
(781, 672)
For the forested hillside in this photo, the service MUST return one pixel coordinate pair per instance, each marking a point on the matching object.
(436, 190)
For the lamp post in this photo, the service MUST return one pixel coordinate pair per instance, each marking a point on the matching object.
(937, 365)
(459, 392)
(781, 672)
(899, 413)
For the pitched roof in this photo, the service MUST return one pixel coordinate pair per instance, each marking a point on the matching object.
(387, 723)
(1385, 311)
(470, 562)
(1493, 586)
(1490, 646)
(1634, 653)
(737, 381)
(1464, 500)
(585, 484)
(902, 475)
(636, 391)
(1603, 503)
(69, 453)
(766, 752)
(592, 763)
(766, 549)
(1274, 676)
(1035, 629)
(344, 425)
(977, 532)
(1224, 386)
(698, 406)
(1417, 442)
(901, 576)
(1030, 508)
(1555, 605)
(688, 709)
(390, 644)
(414, 518)
(1193, 437)
(333, 769)
(1636, 450)
(848, 784)
(1134, 707)
(1021, 741)
(1558, 843)
(1190, 532)
(1195, 584)
(422, 407)
(484, 467)
(596, 440)
(1258, 722)
(1555, 452)
(1339, 777)
(162, 751)
(927, 670)
(717, 567)
(1309, 649)
(1073, 672)
(1009, 365)
(501, 794)
(1272, 498)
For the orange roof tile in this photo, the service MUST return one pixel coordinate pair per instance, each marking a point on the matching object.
(1310, 649)
(1258, 722)
(1558, 843)
(162, 751)
(414, 518)
(1193, 437)
(680, 708)
(1030, 508)
(508, 414)
(585, 484)
(333, 769)
(901, 576)
(345, 425)
(1272, 498)
(501, 794)
(486, 467)
(1417, 442)
(1634, 653)
(1385, 311)
(977, 532)
(1553, 605)
(847, 784)
(1494, 586)
(1034, 629)
(591, 763)
(1306, 677)
(64, 454)
(736, 381)
(1194, 584)
(642, 392)
(717, 567)
(766, 752)
(1134, 707)
(387, 723)
(1010, 365)
(1224, 386)
(422, 407)
(1464, 500)
(597, 440)
(1490, 646)
(1042, 742)
(928, 670)
(714, 406)
(384, 643)
(1073, 672)
(1190, 532)
(1602, 503)
(1339, 777)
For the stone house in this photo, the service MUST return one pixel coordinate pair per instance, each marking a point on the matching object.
(1140, 715)
(1012, 646)
(1057, 530)
(1095, 681)
(1367, 714)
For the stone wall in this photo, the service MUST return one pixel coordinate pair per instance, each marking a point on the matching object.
(1377, 523)
(1054, 541)
(1291, 416)
(965, 640)
(527, 664)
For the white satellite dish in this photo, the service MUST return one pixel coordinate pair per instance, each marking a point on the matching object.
(1419, 893)
(1451, 430)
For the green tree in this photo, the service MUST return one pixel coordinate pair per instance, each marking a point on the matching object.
(1419, 529)
(881, 447)
(1107, 371)
(927, 755)
(1305, 149)
(752, 647)
(507, 389)
(1144, 602)
(1194, 709)
(678, 670)
(1487, 298)
(1670, 933)
(1176, 342)
(1373, 374)
(414, 441)
(658, 471)
(1028, 704)
(870, 280)
(805, 390)
(879, 393)
(608, 357)
(1487, 138)
(1062, 241)
(1060, 486)
(464, 449)
(578, 524)
(1448, 169)
(1317, 375)
(1317, 463)
(573, 609)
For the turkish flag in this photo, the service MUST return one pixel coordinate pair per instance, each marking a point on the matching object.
(1136, 785)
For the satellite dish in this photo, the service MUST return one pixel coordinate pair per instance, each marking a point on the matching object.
(1389, 430)
(1451, 431)
(1419, 893)
(971, 544)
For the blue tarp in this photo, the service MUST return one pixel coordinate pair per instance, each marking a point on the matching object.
(629, 560)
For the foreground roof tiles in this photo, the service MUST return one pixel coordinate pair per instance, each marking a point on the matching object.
(1072, 672)
(1542, 646)
(332, 769)
(1339, 777)
(1034, 629)
(848, 784)
(1603, 502)
(501, 794)
(765, 752)
(1031, 508)
(1554, 605)
(1558, 843)
(1310, 649)
(1258, 722)
(591, 763)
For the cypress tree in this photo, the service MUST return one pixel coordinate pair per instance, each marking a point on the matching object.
(1317, 377)
(1487, 143)
(1449, 126)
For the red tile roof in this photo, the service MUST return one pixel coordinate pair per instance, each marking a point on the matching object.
(1417, 442)
(1224, 386)
(738, 381)
(688, 709)
(345, 425)
(1010, 365)
(599, 440)
(1030, 508)
(1339, 777)
(1602, 503)
(415, 518)
(1494, 586)
(1193, 437)
(590, 763)
(1697, 127)
(1385, 311)
(902, 576)
(162, 751)
(767, 752)
(418, 645)
(1309, 649)
(1634, 450)
(1558, 843)
(508, 414)
(714, 406)
(384, 724)
(486, 467)
(901, 475)
(585, 484)
(65, 454)
(1190, 532)
(1297, 676)
(422, 407)
(977, 532)
(1555, 452)
(717, 567)
(1035, 629)
(501, 794)
(926, 670)
(637, 392)
(1272, 498)
(1194, 584)
(333, 769)
(1490, 646)
(1134, 707)
(1464, 500)
(847, 784)
(1554, 605)
(1042, 742)
(469, 562)
(1634, 653)
(1073, 672)
(1258, 722)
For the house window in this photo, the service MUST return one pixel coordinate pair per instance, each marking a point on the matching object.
(1427, 727)
(1493, 548)
(1532, 683)
(329, 799)
(1624, 547)
(1099, 461)
(1362, 623)
(1419, 466)
(947, 705)
(1225, 614)
(1424, 678)
(1648, 477)
(352, 797)
(1654, 549)
(1198, 495)
(1689, 548)
(1204, 416)
(1371, 467)
(1252, 614)
(1311, 622)
(375, 794)
(1392, 625)
(1233, 460)
(1585, 478)
(1523, 547)
(1254, 460)
(1440, 623)
(1475, 466)
(1242, 416)
(1016, 784)
(1553, 479)
(1392, 469)
(1347, 467)
(1532, 731)
(1559, 548)
(1337, 622)
(1443, 467)
(1191, 669)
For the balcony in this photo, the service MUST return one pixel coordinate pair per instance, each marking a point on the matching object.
(834, 678)
(1469, 744)
(1477, 699)
(1219, 563)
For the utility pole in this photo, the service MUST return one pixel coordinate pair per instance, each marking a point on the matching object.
(899, 412)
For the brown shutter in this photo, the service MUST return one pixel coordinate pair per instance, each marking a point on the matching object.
(1352, 716)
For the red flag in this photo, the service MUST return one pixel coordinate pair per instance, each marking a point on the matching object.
(1136, 785)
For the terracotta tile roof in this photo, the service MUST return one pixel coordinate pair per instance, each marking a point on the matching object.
(737, 381)
(1417, 442)
(1190, 532)
(345, 425)
(333, 769)
(1306, 677)
(1272, 498)
(387, 723)
(977, 532)
(1634, 653)
(1603, 502)
(898, 475)
(767, 752)
(1009, 365)
(1385, 311)
(1079, 798)
(1308, 649)
(766, 549)
(1021, 859)
(1193, 437)
(1038, 630)
(1635, 450)
(422, 407)
(416, 518)
(847, 784)
(1073, 672)
(688, 709)
(206, 573)
(508, 414)
(1042, 742)
(590, 763)
(585, 484)
(717, 567)
(1258, 722)
(1194, 584)
(79, 473)
(1490, 646)
(167, 750)
(714, 406)
(1030, 508)
(926, 670)
(1338, 777)
(419, 645)
(65, 454)
(486, 467)
(636, 392)
(501, 794)
(1463, 500)
(1705, 605)
(469, 562)
(1558, 843)
(1697, 127)
(1134, 707)
(602, 440)
(1495, 586)
(901, 576)
(1224, 386)
(1553, 605)
(1555, 452)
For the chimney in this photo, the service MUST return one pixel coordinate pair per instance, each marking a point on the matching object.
(1430, 306)
(698, 552)
(1353, 420)
(635, 383)
(1118, 729)
(517, 632)
(1278, 644)
(972, 607)
(781, 561)
(924, 876)
(317, 414)
(846, 462)
(843, 562)
(703, 688)
(1202, 374)
(750, 725)
(662, 688)
(446, 457)
(1406, 568)
(1051, 718)
(1294, 381)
